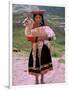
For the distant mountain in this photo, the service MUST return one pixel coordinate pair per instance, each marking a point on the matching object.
(20, 8)
(59, 11)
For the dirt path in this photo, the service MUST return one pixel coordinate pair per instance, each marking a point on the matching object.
(21, 76)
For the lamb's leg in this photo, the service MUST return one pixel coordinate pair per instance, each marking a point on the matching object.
(34, 54)
(40, 44)
(34, 61)
(39, 52)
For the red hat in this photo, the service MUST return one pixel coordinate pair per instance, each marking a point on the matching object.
(38, 12)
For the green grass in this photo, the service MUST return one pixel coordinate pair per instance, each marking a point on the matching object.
(20, 42)
(53, 23)
(59, 45)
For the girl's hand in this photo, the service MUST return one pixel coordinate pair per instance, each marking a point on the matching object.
(36, 39)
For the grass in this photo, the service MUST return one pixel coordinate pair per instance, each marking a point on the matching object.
(20, 42)
(53, 23)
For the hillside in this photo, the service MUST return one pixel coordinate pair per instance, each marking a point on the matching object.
(54, 18)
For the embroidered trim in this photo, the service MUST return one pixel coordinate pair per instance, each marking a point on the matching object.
(46, 65)
(41, 72)
(34, 68)
(42, 66)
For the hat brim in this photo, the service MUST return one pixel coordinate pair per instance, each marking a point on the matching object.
(38, 12)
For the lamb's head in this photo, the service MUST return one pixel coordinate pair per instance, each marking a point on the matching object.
(28, 22)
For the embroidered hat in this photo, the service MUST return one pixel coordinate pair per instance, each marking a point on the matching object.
(38, 12)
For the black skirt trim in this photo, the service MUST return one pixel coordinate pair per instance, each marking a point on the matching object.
(43, 69)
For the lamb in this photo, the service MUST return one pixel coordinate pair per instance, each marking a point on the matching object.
(37, 32)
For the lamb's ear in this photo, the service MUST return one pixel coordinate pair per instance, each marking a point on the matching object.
(31, 19)
(22, 22)
(28, 17)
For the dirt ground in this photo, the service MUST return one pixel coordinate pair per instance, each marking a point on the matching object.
(20, 74)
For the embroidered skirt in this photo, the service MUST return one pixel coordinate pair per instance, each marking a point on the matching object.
(43, 65)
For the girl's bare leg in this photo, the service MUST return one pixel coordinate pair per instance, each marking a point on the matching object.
(34, 58)
(42, 78)
(34, 54)
(39, 53)
(37, 80)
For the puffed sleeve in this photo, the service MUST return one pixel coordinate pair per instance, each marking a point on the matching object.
(31, 38)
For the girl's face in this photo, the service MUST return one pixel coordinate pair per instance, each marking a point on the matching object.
(38, 19)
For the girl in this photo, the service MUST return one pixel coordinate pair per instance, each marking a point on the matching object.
(40, 61)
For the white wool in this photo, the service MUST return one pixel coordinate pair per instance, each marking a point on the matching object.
(39, 31)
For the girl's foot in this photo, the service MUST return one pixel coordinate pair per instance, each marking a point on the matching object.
(42, 77)
(37, 81)
(42, 82)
